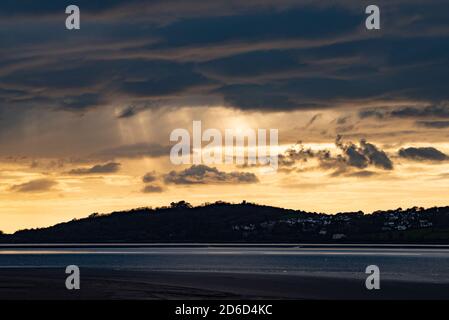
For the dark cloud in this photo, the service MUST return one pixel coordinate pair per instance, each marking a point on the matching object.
(128, 78)
(151, 11)
(135, 151)
(342, 120)
(165, 79)
(373, 113)
(294, 155)
(81, 102)
(255, 65)
(258, 55)
(149, 177)
(375, 156)
(353, 156)
(128, 112)
(155, 104)
(434, 124)
(363, 155)
(426, 153)
(313, 119)
(413, 112)
(438, 111)
(110, 167)
(202, 174)
(33, 8)
(306, 88)
(39, 185)
(253, 55)
(152, 189)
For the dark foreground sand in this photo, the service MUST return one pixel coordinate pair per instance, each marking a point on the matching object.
(120, 284)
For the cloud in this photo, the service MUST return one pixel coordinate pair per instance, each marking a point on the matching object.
(342, 120)
(362, 174)
(420, 154)
(110, 167)
(438, 111)
(152, 189)
(413, 112)
(39, 185)
(165, 79)
(375, 156)
(434, 124)
(363, 155)
(172, 54)
(149, 177)
(155, 11)
(373, 113)
(296, 154)
(313, 119)
(352, 156)
(81, 102)
(138, 150)
(202, 174)
(294, 62)
(128, 112)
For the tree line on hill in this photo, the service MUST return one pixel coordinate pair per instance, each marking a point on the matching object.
(222, 222)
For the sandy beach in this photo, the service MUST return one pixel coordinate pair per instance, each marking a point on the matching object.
(48, 283)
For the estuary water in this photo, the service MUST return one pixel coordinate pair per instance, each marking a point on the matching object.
(408, 263)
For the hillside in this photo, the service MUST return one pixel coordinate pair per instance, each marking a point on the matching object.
(245, 222)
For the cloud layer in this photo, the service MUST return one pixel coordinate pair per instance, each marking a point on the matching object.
(262, 55)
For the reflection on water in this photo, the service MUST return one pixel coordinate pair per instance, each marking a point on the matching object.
(418, 264)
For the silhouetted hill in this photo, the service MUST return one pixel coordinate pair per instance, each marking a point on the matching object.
(245, 222)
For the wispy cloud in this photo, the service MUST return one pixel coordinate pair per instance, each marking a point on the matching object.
(110, 167)
(423, 154)
(38, 185)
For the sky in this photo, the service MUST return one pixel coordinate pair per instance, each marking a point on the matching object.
(86, 115)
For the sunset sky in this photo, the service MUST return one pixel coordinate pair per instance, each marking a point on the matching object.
(86, 115)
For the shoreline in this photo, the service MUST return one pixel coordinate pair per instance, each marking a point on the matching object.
(224, 245)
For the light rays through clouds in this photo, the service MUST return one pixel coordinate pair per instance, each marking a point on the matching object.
(86, 115)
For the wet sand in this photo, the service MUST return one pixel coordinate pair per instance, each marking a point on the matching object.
(49, 284)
